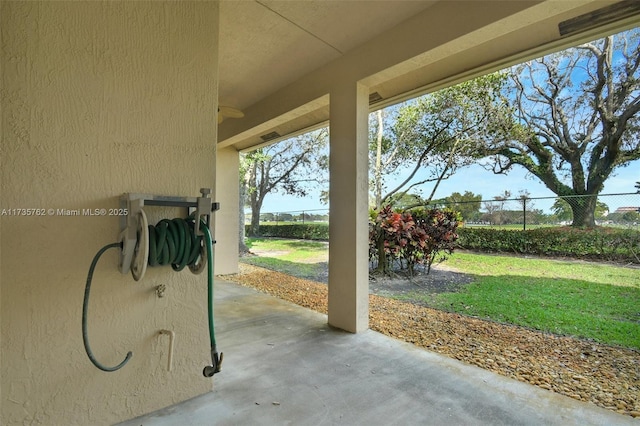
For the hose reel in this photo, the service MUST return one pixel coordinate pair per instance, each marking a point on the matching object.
(141, 250)
(176, 242)
(169, 242)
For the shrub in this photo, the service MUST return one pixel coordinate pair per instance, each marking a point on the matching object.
(307, 231)
(440, 227)
(610, 244)
(415, 237)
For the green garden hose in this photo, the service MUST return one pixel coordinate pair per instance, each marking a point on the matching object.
(85, 307)
(216, 360)
(174, 242)
(171, 242)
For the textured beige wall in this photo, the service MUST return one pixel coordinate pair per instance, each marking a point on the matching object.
(227, 221)
(98, 99)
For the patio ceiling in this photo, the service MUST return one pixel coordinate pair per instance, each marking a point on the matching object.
(279, 59)
(266, 44)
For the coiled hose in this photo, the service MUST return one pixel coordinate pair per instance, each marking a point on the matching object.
(174, 242)
(171, 242)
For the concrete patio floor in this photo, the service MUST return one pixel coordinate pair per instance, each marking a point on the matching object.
(284, 365)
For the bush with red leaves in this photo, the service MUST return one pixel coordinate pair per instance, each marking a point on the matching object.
(412, 237)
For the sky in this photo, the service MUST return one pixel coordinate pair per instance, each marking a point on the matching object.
(480, 181)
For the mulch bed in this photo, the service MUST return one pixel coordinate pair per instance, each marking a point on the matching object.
(603, 375)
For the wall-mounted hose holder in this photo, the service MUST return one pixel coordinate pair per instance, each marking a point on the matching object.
(178, 242)
(200, 207)
(140, 258)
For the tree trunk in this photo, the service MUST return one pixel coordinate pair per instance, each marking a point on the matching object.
(378, 167)
(254, 228)
(242, 247)
(583, 209)
(255, 199)
(383, 262)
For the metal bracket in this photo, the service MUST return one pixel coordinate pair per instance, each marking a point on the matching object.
(132, 203)
(203, 210)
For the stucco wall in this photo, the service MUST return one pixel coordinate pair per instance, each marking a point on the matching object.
(99, 99)
(227, 222)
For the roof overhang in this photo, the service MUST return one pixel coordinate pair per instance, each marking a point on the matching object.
(442, 43)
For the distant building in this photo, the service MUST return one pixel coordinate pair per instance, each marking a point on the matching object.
(627, 209)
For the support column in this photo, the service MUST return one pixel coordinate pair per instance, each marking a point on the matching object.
(348, 218)
(226, 219)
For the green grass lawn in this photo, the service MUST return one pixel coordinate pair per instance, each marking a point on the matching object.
(300, 258)
(587, 300)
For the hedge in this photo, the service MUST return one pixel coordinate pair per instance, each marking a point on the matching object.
(609, 244)
(604, 244)
(307, 231)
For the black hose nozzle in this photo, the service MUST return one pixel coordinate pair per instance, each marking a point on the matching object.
(216, 360)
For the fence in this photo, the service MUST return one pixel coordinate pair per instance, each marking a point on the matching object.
(293, 216)
(521, 213)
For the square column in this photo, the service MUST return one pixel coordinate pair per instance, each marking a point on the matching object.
(226, 224)
(349, 212)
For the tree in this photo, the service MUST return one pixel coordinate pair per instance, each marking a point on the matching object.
(500, 201)
(403, 201)
(631, 216)
(524, 199)
(492, 207)
(291, 166)
(242, 199)
(429, 138)
(602, 210)
(562, 210)
(468, 204)
(267, 217)
(638, 187)
(575, 119)
(435, 135)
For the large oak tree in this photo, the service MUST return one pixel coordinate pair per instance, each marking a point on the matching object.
(576, 116)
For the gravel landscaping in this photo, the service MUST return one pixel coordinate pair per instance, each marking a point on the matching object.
(603, 375)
